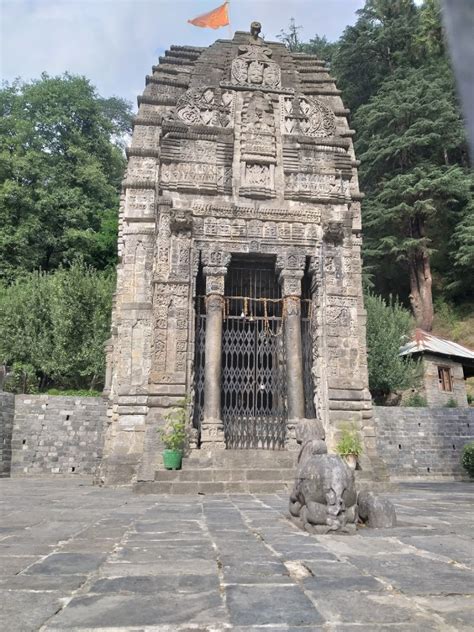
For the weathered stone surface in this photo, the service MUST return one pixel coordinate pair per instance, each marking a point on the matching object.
(324, 496)
(377, 512)
(247, 157)
(415, 576)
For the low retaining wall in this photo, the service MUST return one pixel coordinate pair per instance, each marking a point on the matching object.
(423, 442)
(7, 414)
(56, 435)
(48, 434)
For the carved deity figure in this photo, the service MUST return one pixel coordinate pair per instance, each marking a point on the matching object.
(324, 496)
(259, 113)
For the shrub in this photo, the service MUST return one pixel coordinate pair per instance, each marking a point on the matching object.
(389, 326)
(349, 441)
(53, 328)
(467, 459)
(415, 400)
(451, 403)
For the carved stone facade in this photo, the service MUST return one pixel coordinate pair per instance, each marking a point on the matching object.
(241, 152)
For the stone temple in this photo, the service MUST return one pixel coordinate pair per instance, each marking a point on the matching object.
(239, 282)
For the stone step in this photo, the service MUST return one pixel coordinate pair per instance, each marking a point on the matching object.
(208, 487)
(233, 459)
(220, 475)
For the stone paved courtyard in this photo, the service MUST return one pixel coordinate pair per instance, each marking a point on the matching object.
(76, 557)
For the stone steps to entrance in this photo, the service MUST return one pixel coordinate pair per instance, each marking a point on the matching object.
(226, 472)
(237, 472)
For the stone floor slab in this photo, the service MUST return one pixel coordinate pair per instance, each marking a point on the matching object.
(75, 557)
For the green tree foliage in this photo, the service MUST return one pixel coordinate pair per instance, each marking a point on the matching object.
(381, 41)
(53, 327)
(389, 326)
(411, 144)
(418, 213)
(60, 170)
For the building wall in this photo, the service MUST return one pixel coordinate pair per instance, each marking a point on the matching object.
(434, 395)
(423, 442)
(7, 412)
(55, 434)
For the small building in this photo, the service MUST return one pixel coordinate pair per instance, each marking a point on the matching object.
(446, 366)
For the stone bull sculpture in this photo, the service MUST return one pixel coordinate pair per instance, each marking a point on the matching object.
(324, 496)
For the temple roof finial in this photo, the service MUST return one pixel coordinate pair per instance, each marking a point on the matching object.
(255, 28)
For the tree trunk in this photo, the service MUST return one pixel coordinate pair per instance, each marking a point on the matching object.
(421, 297)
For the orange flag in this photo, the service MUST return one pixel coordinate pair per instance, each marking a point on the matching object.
(214, 19)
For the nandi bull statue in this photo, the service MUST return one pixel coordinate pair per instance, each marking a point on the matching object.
(324, 496)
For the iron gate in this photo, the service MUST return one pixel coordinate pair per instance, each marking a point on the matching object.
(253, 385)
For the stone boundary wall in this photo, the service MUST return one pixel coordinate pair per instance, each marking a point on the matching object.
(423, 442)
(7, 414)
(48, 434)
(54, 434)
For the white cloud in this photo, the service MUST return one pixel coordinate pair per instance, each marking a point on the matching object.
(115, 42)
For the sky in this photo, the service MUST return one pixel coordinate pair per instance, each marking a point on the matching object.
(114, 43)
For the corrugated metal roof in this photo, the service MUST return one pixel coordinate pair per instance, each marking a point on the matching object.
(424, 341)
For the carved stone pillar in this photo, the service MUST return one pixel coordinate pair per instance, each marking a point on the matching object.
(291, 289)
(215, 269)
(291, 266)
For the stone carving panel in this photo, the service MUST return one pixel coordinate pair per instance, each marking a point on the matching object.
(341, 316)
(190, 176)
(306, 116)
(206, 106)
(316, 186)
(162, 263)
(140, 203)
(254, 67)
(258, 146)
(170, 330)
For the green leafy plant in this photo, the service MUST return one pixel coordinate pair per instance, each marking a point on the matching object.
(389, 325)
(451, 403)
(349, 441)
(467, 459)
(415, 400)
(174, 434)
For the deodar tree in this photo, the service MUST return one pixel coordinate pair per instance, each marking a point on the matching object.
(411, 143)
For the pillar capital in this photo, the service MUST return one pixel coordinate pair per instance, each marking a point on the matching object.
(215, 280)
(290, 281)
(291, 259)
(215, 263)
(214, 258)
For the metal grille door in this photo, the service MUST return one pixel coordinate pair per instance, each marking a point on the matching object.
(253, 384)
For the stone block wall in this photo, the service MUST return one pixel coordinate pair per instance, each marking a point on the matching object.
(435, 396)
(7, 413)
(57, 435)
(423, 442)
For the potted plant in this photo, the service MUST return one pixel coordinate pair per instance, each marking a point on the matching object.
(349, 445)
(173, 436)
